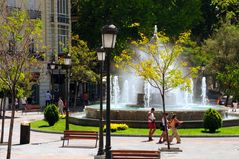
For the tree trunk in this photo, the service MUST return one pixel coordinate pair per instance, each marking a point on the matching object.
(3, 105)
(9, 146)
(1, 108)
(75, 95)
(163, 100)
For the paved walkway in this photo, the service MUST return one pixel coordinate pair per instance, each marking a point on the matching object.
(48, 145)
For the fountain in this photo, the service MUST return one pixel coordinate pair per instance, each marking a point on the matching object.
(204, 87)
(132, 98)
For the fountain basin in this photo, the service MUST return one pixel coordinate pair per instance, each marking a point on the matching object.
(137, 117)
(131, 112)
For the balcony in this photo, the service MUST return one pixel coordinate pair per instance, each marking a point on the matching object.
(34, 14)
(63, 18)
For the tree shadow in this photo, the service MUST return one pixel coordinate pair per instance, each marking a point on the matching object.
(209, 132)
(43, 126)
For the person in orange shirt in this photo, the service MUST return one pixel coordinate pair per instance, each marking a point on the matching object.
(173, 124)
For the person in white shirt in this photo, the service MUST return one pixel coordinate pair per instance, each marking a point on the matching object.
(61, 106)
(164, 126)
(151, 124)
(234, 106)
(48, 97)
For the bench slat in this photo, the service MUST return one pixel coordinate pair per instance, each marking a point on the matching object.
(136, 151)
(132, 157)
(75, 134)
(135, 154)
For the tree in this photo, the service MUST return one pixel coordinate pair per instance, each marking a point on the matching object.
(158, 62)
(224, 50)
(230, 81)
(209, 21)
(132, 17)
(83, 63)
(16, 60)
(175, 17)
(3, 92)
(227, 10)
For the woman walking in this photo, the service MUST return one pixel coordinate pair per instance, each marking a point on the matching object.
(151, 124)
(173, 124)
(164, 127)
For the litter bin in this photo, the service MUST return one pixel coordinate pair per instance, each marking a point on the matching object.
(25, 133)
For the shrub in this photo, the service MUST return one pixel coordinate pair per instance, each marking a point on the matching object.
(114, 127)
(51, 114)
(212, 120)
(62, 116)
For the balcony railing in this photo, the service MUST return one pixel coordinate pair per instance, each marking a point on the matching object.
(63, 18)
(34, 14)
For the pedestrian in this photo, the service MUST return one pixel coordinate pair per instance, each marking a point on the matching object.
(234, 106)
(61, 106)
(85, 98)
(151, 124)
(173, 124)
(48, 98)
(164, 127)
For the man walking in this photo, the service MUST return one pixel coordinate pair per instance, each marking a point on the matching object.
(48, 98)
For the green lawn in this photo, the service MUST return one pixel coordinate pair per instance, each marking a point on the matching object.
(60, 126)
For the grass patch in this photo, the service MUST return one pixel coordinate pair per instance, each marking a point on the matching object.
(60, 127)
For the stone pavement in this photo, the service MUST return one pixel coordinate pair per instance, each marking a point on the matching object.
(48, 145)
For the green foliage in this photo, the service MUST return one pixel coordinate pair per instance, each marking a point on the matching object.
(162, 67)
(84, 61)
(51, 114)
(175, 17)
(16, 62)
(228, 10)
(229, 80)
(223, 49)
(212, 120)
(114, 127)
(171, 16)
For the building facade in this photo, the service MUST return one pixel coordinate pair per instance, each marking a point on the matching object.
(56, 21)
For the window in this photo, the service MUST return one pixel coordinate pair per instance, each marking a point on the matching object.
(62, 37)
(52, 11)
(11, 3)
(62, 11)
(32, 4)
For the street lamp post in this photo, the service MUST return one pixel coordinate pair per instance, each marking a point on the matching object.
(109, 33)
(101, 58)
(67, 64)
(52, 66)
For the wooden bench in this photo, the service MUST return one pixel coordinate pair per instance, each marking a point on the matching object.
(31, 108)
(75, 134)
(135, 154)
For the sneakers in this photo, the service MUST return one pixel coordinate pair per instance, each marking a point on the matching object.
(160, 142)
(178, 142)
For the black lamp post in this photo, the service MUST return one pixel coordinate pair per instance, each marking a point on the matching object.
(101, 58)
(67, 65)
(52, 66)
(109, 33)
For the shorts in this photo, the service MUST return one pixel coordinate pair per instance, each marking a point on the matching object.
(151, 125)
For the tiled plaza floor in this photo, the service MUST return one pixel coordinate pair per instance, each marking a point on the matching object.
(48, 145)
